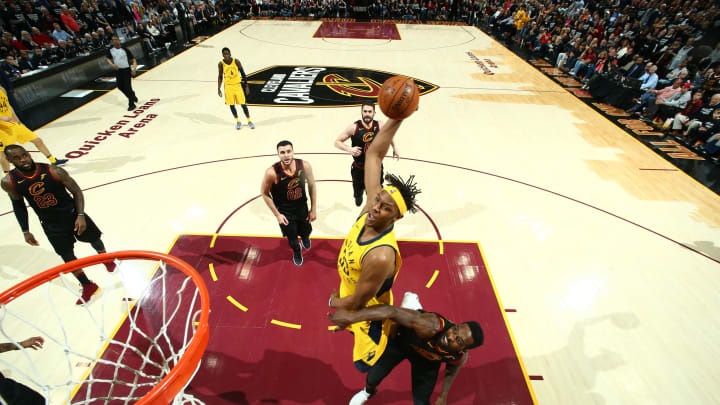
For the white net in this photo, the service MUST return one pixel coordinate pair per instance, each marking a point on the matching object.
(114, 349)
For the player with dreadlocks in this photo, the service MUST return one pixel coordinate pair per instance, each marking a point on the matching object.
(369, 259)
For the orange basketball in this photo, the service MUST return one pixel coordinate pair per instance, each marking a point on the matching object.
(399, 97)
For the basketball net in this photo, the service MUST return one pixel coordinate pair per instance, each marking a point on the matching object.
(138, 362)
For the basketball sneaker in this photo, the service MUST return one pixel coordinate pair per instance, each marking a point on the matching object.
(411, 301)
(358, 200)
(360, 398)
(297, 256)
(306, 242)
(238, 125)
(251, 125)
(88, 291)
(60, 162)
(110, 266)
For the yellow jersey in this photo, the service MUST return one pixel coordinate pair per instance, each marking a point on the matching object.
(370, 337)
(231, 73)
(4, 105)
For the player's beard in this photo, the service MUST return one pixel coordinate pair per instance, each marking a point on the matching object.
(30, 170)
(367, 120)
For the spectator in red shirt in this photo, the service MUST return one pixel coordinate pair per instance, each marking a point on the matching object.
(41, 38)
(587, 58)
(13, 42)
(69, 22)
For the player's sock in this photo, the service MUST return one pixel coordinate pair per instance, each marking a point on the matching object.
(237, 119)
(51, 158)
(82, 278)
(248, 119)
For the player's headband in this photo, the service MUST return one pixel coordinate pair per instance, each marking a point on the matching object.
(399, 200)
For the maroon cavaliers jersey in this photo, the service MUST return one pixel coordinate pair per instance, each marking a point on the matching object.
(45, 193)
(362, 137)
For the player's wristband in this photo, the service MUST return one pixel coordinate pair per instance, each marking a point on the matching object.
(81, 215)
(330, 302)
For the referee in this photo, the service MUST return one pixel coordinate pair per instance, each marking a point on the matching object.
(120, 58)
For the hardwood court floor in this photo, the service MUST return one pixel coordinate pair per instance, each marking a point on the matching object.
(609, 260)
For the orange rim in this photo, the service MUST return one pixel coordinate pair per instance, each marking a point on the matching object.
(177, 378)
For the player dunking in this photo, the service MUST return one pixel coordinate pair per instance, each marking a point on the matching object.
(236, 86)
(361, 133)
(62, 217)
(369, 258)
(283, 189)
(12, 130)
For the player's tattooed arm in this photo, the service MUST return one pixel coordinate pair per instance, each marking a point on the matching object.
(7, 186)
(425, 325)
(72, 186)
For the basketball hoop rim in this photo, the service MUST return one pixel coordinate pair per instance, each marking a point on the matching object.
(177, 378)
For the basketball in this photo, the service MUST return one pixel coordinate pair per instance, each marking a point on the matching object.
(399, 97)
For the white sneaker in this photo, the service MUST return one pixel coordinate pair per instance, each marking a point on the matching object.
(360, 398)
(411, 301)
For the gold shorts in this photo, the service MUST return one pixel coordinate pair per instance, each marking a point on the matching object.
(234, 94)
(11, 133)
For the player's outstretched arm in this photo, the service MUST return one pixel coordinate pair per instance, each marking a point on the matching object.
(451, 371)
(265, 187)
(373, 159)
(346, 134)
(425, 325)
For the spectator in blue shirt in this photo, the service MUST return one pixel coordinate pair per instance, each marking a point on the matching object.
(59, 34)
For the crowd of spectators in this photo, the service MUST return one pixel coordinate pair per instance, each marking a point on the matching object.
(40, 33)
(648, 47)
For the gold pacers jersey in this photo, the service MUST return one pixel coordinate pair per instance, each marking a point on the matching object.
(4, 105)
(370, 337)
(231, 73)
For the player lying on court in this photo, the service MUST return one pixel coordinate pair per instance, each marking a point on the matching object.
(426, 339)
(369, 258)
(62, 217)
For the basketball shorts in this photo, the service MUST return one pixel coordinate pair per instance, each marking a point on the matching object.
(62, 236)
(298, 225)
(14, 392)
(234, 94)
(371, 339)
(11, 133)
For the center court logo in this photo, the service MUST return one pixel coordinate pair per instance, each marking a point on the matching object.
(319, 86)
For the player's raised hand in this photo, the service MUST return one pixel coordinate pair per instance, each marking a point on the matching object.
(282, 220)
(80, 225)
(30, 239)
(33, 343)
